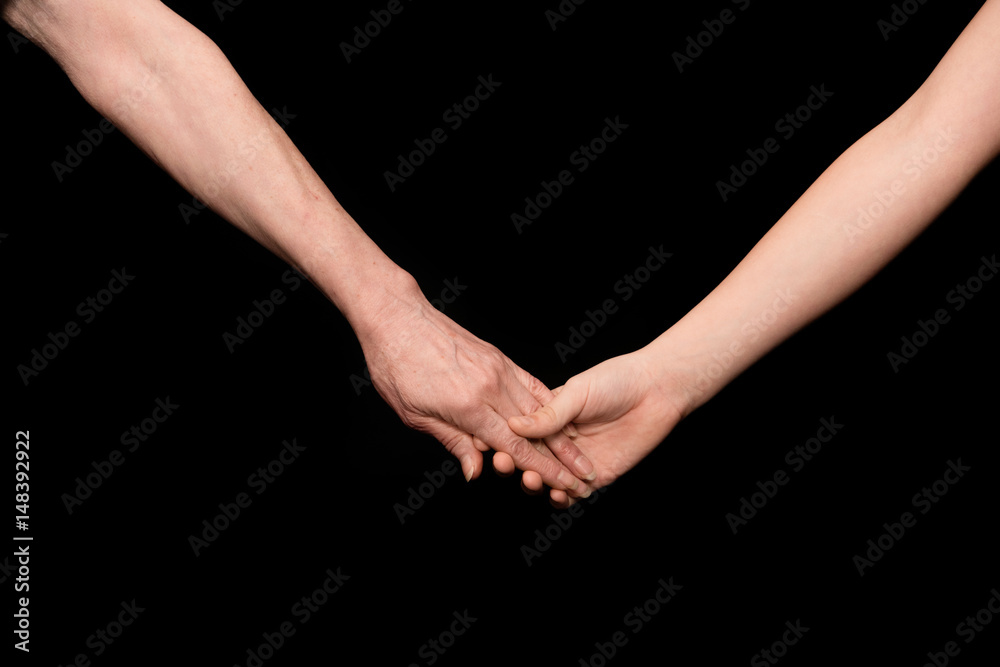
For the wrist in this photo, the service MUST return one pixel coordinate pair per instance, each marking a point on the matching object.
(351, 271)
(390, 297)
(685, 373)
(374, 294)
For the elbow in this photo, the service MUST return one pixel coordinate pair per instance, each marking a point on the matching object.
(112, 52)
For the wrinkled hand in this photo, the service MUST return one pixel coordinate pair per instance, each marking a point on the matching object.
(621, 412)
(442, 380)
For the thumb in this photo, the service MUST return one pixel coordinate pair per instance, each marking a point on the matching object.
(462, 446)
(470, 458)
(551, 418)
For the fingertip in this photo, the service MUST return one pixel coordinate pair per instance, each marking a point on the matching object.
(503, 464)
(529, 486)
(569, 481)
(559, 499)
(532, 481)
(585, 468)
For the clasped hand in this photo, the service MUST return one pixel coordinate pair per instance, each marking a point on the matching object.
(442, 380)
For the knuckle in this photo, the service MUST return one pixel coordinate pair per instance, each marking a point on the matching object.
(535, 386)
(483, 380)
(466, 402)
(482, 420)
(562, 447)
(452, 442)
(491, 382)
(519, 450)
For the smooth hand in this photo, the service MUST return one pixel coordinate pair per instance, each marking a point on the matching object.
(621, 411)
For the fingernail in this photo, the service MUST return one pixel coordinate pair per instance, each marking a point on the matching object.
(586, 492)
(469, 467)
(570, 430)
(568, 480)
(585, 468)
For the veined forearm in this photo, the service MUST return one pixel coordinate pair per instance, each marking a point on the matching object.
(859, 214)
(175, 95)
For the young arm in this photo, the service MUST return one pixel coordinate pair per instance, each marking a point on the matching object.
(819, 252)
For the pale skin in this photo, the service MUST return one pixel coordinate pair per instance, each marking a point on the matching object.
(816, 255)
(168, 87)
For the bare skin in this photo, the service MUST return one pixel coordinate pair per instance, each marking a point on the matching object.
(818, 253)
(168, 87)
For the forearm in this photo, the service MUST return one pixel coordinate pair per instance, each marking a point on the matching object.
(860, 213)
(175, 95)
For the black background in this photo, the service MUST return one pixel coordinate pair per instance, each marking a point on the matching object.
(334, 507)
